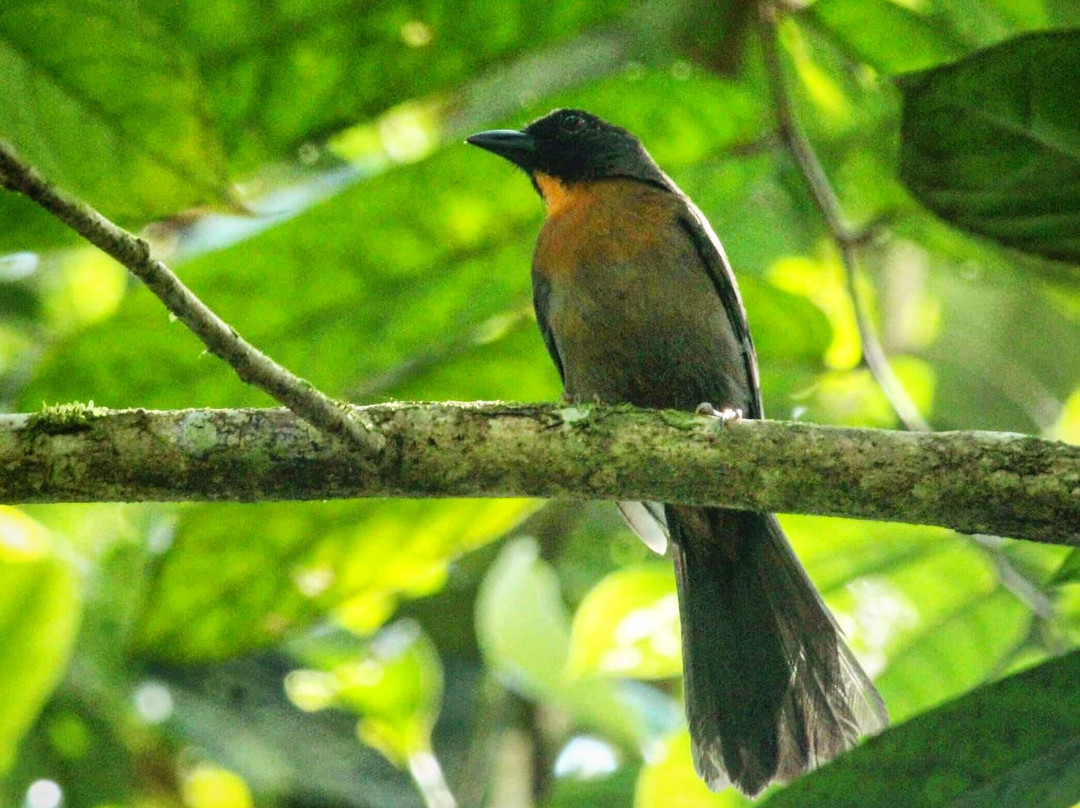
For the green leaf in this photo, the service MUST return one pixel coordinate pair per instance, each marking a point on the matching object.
(668, 779)
(900, 37)
(1069, 571)
(992, 143)
(394, 684)
(1012, 744)
(283, 74)
(524, 633)
(39, 618)
(628, 625)
(949, 655)
(239, 716)
(100, 99)
(240, 577)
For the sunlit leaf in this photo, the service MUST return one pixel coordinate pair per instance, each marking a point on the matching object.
(1013, 744)
(209, 786)
(239, 577)
(524, 632)
(668, 779)
(628, 625)
(992, 143)
(115, 114)
(39, 616)
(237, 715)
(854, 398)
(952, 654)
(1069, 571)
(278, 76)
(393, 683)
(903, 37)
(1067, 427)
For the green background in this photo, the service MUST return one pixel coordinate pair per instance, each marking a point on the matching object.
(300, 165)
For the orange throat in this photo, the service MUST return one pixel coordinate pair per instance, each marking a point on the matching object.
(558, 196)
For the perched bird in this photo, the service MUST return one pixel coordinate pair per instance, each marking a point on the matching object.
(637, 304)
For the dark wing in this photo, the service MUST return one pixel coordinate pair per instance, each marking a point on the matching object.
(541, 295)
(714, 260)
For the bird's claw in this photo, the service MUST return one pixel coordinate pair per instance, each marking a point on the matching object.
(728, 415)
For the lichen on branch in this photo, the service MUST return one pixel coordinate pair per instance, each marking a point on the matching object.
(974, 482)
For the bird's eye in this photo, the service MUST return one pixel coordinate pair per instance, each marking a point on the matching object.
(573, 123)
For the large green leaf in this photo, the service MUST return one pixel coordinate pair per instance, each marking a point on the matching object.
(279, 74)
(628, 625)
(992, 143)
(1013, 744)
(904, 37)
(99, 97)
(39, 617)
(524, 632)
(240, 577)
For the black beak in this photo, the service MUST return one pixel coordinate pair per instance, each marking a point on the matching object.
(517, 147)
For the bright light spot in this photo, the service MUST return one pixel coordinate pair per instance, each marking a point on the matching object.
(415, 34)
(86, 288)
(409, 132)
(21, 538)
(310, 690)
(312, 582)
(160, 536)
(359, 674)
(154, 702)
(621, 659)
(207, 786)
(648, 621)
(16, 266)
(44, 794)
(880, 612)
(585, 758)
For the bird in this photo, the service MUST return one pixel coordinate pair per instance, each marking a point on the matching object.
(637, 304)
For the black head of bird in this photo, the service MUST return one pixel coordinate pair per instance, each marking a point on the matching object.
(571, 145)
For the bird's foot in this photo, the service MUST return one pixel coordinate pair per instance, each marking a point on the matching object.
(728, 415)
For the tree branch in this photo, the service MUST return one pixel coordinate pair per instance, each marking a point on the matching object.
(974, 482)
(250, 364)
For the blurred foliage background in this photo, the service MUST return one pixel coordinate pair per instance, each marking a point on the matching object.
(300, 165)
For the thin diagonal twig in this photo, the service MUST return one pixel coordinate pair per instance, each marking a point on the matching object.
(847, 240)
(221, 339)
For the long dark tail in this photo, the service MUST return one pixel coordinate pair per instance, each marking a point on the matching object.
(771, 688)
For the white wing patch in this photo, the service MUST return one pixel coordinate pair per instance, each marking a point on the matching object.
(647, 520)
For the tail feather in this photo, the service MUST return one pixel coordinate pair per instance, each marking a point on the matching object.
(771, 688)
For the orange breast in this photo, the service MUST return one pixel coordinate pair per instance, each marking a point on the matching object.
(602, 223)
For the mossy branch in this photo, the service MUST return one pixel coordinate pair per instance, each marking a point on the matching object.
(221, 339)
(974, 482)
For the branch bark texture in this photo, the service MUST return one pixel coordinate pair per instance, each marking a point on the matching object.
(250, 364)
(974, 482)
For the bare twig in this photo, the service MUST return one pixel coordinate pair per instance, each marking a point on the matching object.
(221, 339)
(846, 238)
